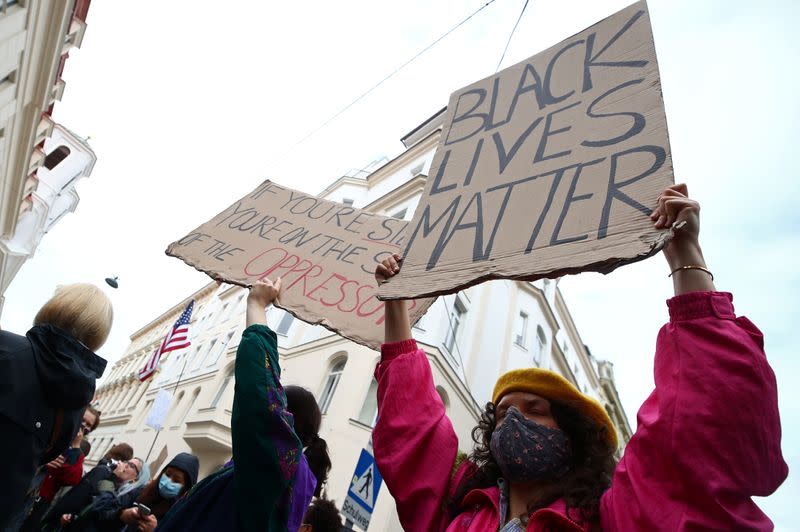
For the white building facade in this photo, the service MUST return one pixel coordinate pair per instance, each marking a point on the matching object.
(35, 38)
(470, 338)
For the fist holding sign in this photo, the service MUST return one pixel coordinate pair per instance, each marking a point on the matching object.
(552, 166)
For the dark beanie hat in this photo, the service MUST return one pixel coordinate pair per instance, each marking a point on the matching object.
(189, 464)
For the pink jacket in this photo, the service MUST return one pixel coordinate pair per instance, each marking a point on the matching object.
(708, 437)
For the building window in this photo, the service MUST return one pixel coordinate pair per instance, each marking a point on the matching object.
(369, 410)
(143, 414)
(108, 446)
(444, 397)
(222, 314)
(189, 407)
(5, 4)
(521, 331)
(419, 323)
(347, 201)
(541, 342)
(219, 349)
(174, 414)
(285, 324)
(202, 353)
(236, 306)
(134, 388)
(400, 215)
(331, 382)
(97, 443)
(55, 157)
(456, 317)
(222, 388)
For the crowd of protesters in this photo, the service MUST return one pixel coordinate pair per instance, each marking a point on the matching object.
(47, 381)
(544, 455)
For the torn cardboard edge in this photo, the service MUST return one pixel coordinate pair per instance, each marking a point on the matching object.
(424, 305)
(604, 267)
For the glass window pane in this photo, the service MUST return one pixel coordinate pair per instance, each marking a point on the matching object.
(285, 324)
(369, 410)
(330, 386)
(222, 388)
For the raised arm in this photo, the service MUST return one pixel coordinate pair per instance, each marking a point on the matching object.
(397, 326)
(708, 437)
(266, 450)
(414, 442)
(687, 265)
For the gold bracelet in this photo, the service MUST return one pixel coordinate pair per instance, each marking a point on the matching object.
(693, 267)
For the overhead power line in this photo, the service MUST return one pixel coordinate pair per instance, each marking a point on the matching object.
(511, 35)
(381, 82)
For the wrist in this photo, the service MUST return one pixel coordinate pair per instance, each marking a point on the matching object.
(253, 304)
(683, 254)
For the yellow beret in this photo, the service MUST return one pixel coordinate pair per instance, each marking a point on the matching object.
(554, 387)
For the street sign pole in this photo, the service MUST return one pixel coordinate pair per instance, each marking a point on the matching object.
(363, 491)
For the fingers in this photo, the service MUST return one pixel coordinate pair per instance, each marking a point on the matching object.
(266, 283)
(56, 463)
(675, 208)
(681, 188)
(388, 267)
(664, 217)
(383, 271)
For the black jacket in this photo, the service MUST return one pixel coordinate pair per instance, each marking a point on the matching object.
(47, 378)
(78, 499)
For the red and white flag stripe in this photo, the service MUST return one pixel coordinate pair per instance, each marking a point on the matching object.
(176, 338)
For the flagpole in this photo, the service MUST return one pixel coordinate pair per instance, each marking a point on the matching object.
(177, 383)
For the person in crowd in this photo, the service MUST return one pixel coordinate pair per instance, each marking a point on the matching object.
(104, 478)
(85, 448)
(309, 481)
(174, 481)
(140, 508)
(544, 451)
(47, 378)
(322, 516)
(119, 452)
(269, 477)
(65, 470)
(135, 484)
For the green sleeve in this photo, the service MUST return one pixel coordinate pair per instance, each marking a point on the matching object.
(266, 450)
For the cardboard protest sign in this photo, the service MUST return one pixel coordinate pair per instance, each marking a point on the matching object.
(551, 166)
(324, 252)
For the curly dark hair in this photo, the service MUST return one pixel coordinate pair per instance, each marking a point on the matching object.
(323, 516)
(589, 476)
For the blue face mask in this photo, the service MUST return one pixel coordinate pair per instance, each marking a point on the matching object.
(167, 488)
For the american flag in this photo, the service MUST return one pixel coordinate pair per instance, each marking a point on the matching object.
(176, 338)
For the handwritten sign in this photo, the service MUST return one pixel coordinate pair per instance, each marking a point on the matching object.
(551, 166)
(324, 252)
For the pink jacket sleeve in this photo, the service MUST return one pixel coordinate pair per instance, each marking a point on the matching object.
(708, 437)
(414, 443)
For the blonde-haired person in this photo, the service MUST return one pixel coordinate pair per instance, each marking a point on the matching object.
(47, 379)
(81, 309)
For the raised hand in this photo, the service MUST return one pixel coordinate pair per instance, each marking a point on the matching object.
(264, 292)
(396, 325)
(56, 463)
(684, 256)
(387, 268)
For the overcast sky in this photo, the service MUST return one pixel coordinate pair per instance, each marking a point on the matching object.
(190, 104)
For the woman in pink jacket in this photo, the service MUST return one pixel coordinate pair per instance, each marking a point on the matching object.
(708, 437)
